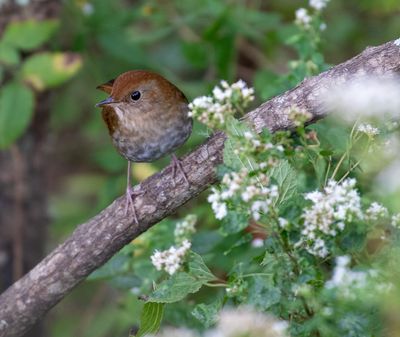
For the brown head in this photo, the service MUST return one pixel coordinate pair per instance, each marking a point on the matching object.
(147, 116)
(137, 97)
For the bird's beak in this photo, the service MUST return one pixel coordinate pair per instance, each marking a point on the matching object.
(106, 101)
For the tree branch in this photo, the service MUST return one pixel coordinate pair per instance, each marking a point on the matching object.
(95, 241)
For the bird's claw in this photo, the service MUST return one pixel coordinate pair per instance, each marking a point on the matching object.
(177, 166)
(129, 195)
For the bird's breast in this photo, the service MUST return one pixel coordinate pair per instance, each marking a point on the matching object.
(147, 141)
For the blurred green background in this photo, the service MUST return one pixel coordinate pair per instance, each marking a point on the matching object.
(194, 44)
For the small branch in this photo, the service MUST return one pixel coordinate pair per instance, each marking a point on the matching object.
(97, 240)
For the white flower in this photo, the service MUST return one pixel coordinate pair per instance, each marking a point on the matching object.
(221, 211)
(245, 321)
(397, 42)
(328, 214)
(318, 4)
(225, 101)
(346, 280)
(302, 17)
(368, 129)
(217, 204)
(396, 220)
(376, 211)
(365, 97)
(253, 190)
(283, 222)
(257, 243)
(185, 228)
(171, 259)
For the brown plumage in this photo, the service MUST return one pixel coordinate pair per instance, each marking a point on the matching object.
(147, 118)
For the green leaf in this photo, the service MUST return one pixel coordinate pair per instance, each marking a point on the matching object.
(263, 294)
(176, 288)
(47, 70)
(207, 314)
(16, 110)
(234, 222)
(8, 55)
(150, 319)
(198, 268)
(286, 178)
(233, 158)
(29, 34)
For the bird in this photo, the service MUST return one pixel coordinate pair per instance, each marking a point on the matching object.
(147, 118)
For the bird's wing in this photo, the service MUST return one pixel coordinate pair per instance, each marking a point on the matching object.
(106, 87)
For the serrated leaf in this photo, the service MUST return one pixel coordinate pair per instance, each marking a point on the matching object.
(232, 156)
(207, 314)
(234, 222)
(29, 34)
(176, 288)
(198, 268)
(150, 320)
(286, 178)
(47, 70)
(16, 110)
(8, 54)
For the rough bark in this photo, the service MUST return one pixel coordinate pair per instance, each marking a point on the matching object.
(95, 241)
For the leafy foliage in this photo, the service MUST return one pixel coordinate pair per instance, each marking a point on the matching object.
(16, 109)
(39, 71)
(254, 262)
(151, 318)
(29, 34)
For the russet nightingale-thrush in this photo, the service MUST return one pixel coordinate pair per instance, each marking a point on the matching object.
(147, 118)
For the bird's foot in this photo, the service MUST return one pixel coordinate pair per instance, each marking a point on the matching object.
(130, 194)
(177, 166)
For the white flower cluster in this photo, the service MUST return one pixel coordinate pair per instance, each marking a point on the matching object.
(368, 129)
(318, 4)
(396, 220)
(303, 19)
(376, 211)
(185, 228)
(346, 280)
(397, 42)
(226, 100)
(171, 259)
(364, 97)
(255, 144)
(236, 322)
(253, 190)
(328, 214)
(245, 321)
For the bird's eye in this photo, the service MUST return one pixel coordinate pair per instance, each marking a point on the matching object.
(135, 95)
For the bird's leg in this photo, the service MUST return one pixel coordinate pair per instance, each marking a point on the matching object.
(129, 193)
(177, 166)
